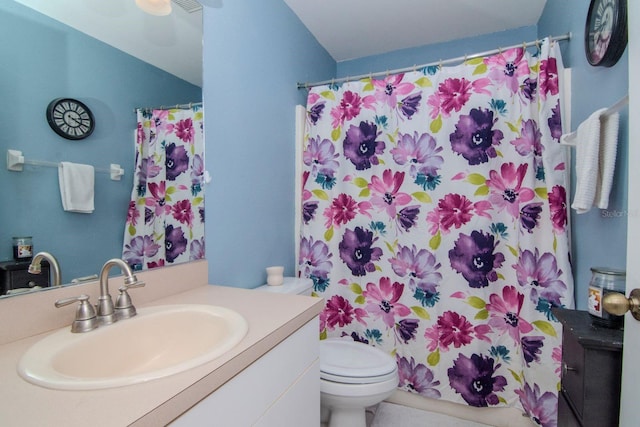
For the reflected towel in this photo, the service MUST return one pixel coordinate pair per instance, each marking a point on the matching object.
(76, 187)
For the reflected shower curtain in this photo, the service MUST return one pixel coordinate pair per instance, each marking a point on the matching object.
(165, 221)
(435, 225)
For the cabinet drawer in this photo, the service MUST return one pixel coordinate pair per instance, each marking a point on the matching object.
(573, 372)
(24, 279)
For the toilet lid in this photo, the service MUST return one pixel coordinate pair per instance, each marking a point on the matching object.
(351, 359)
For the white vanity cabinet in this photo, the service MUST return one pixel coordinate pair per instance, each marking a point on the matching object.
(280, 389)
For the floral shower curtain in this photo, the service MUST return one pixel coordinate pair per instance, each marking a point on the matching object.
(435, 225)
(165, 221)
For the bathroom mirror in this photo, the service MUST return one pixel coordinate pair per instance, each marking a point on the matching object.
(49, 55)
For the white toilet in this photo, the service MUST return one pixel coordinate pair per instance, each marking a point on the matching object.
(353, 375)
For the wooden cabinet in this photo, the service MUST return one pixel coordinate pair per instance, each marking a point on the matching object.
(14, 275)
(281, 389)
(591, 372)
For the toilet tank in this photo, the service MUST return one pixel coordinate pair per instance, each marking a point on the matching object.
(290, 285)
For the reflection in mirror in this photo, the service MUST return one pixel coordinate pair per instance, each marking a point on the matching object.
(43, 60)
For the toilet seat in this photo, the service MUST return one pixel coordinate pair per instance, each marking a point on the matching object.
(350, 362)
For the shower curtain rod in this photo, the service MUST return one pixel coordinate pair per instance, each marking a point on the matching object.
(170, 107)
(566, 36)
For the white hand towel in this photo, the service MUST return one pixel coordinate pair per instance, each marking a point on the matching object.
(76, 187)
(609, 125)
(587, 157)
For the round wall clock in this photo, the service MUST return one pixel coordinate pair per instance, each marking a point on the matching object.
(605, 34)
(70, 118)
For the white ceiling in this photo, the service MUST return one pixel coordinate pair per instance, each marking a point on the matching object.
(350, 29)
(347, 29)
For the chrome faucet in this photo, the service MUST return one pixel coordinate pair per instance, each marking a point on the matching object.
(36, 268)
(123, 309)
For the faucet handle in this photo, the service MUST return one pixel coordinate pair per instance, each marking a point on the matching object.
(85, 313)
(124, 306)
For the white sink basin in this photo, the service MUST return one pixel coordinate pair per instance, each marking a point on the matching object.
(158, 342)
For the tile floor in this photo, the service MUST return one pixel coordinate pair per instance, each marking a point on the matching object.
(392, 415)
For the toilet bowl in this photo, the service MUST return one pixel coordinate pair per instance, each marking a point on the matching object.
(353, 375)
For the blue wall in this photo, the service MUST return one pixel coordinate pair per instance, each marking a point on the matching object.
(43, 59)
(254, 53)
(599, 237)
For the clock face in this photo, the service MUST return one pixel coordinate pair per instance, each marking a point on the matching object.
(606, 31)
(69, 118)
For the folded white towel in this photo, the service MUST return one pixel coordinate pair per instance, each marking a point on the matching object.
(76, 187)
(609, 124)
(587, 158)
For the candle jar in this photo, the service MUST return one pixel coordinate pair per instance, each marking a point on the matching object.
(603, 281)
(22, 248)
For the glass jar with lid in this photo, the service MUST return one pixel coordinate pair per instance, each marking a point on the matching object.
(603, 281)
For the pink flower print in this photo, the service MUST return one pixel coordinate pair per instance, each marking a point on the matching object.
(382, 301)
(506, 188)
(508, 67)
(452, 95)
(505, 314)
(348, 108)
(454, 211)
(388, 89)
(556, 356)
(454, 329)
(548, 77)
(157, 199)
(140, 134)
(338, 311)
(343, 209)
(182, 212)
(132, 213)
(160, 122)
(558, 207)
(385, 192)
(185, 131)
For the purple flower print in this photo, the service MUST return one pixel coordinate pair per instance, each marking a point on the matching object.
(529, 142)
(420, 152)
(531, 348)
(321, 157)
(558, 207)
(386, 194)
(357, 251)
(309, 211)
(416, 378)
(507, 191)
(177, 161)
(315, 112)
(184, 130)
(409, 105)
(541, 274)
(473, 257)
(360, 145)
(474, 139)
(542, 409)
(555, 122)
(420, 266)
(196, 249)
(139, 248)
(528, 89)
(175, 243)
(505, 316)
(474, 379)
(314, 258)
(133, 213)
(157, 200)
(407, 217)
(529, 216)
(406, 330)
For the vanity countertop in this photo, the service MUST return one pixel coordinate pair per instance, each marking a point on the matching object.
(271, 319)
